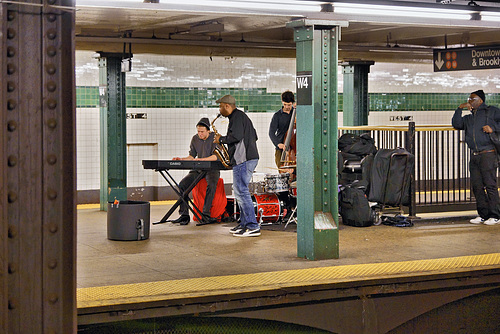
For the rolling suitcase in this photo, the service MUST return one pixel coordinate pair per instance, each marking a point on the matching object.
(390, 177)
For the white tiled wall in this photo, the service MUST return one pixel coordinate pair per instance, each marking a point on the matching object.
(224, 72)
(87, 148)
(420, 78)
(171, 131)
(278, 74)
(86, 69)
(420, 118)
(167, 132)
(148, 70)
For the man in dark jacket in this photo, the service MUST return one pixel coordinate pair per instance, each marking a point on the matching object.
(482, 121)
(241, 140)
(279, 125)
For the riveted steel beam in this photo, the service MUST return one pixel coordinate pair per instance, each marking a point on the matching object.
(3, 179)
(355, 96)
(112, 92)
(38, 187)
(317, 110)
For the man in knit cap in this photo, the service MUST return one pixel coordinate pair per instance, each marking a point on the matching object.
(201, 148)
(483, 163)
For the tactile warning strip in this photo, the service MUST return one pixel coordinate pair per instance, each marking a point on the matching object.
(97, 206)
(206, 286)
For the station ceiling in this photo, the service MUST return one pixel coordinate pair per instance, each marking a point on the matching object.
(181, 28)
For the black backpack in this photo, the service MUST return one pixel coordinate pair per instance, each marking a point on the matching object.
(354, 207)
(354, 147)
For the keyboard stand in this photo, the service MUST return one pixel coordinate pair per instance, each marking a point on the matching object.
(183, 197)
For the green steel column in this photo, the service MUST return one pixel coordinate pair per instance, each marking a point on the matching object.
(317, 110)
(355, 95)
(112, 129)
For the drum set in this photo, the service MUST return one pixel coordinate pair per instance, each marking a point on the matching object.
(274, 198)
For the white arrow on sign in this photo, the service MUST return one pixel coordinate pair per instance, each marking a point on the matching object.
(439, 62)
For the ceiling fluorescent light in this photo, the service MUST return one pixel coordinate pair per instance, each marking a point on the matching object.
(400, 11)
(490, 16)
(307, 6)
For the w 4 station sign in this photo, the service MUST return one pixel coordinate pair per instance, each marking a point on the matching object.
(477, 58)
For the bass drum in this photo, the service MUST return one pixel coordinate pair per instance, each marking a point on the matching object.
(268, 208)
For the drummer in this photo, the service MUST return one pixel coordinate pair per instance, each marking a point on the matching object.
(279, 125)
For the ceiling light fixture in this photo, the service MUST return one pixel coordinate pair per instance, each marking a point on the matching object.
(400, 11)
(283, 5)
(490, 16)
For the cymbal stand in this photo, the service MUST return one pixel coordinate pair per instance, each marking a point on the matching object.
(292, 218)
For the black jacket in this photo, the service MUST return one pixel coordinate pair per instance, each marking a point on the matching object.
(476, 138)
(279, 126)
(241, 138)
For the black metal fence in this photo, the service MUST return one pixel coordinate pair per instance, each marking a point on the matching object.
(441, 176)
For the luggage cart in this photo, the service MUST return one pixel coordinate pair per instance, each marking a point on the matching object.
(390, 179)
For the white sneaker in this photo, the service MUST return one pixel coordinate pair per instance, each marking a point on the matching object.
(492, 221)
(477, 220)
(247, 233)
(236, 229)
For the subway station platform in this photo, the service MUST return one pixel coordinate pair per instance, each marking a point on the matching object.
(179, 265)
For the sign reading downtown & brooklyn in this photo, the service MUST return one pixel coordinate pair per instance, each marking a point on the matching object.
(476, 58)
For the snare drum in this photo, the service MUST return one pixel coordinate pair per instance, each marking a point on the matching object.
(257, 187)
(268, 208)
(276, 183)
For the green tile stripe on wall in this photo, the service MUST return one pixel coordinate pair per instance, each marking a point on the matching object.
(259, 100)
(254, 100)
(422, 101)
(87, 96)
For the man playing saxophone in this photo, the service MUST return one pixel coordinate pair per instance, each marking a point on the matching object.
(201, 148)
(241, 140)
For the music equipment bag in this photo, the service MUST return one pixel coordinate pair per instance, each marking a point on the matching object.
(390, 177)
(354, 207)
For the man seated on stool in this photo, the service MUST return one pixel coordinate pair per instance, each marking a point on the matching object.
(202, 149)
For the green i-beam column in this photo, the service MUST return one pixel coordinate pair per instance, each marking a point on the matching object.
(317, 111)
(355, 96)
(113, 133)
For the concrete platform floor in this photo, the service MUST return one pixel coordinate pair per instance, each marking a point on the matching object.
(177, 252)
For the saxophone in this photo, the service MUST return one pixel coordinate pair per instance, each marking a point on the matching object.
(220, 149)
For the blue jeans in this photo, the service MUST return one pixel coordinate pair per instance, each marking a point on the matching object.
(242, 174)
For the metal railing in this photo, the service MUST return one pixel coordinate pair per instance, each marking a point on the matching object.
(441, 177)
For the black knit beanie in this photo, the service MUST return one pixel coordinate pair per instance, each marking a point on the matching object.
(480, 93)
